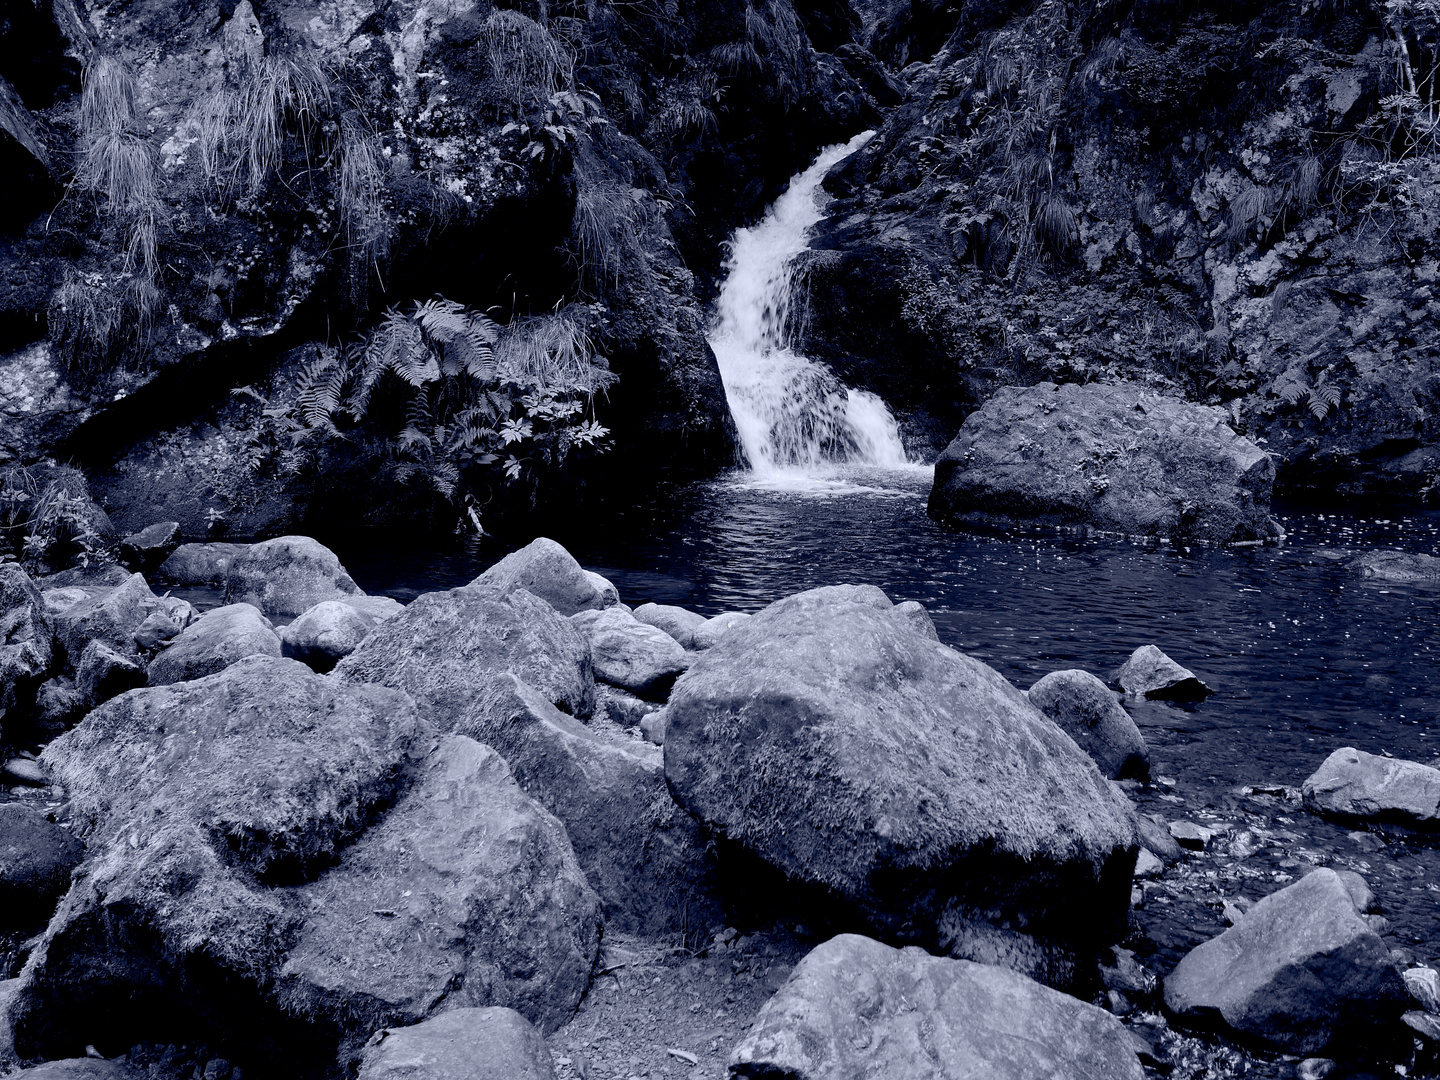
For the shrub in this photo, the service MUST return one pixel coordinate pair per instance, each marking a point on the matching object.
(47, 519)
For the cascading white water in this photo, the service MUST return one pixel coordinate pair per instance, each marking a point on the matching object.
(792, 412)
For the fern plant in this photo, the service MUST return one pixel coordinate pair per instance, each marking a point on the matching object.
(1320, 399)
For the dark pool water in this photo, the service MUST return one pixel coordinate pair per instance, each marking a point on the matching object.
(1304, 656)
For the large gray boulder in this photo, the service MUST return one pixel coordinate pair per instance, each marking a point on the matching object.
(712, 630)
(680, 623)
(1351, 785)
(199, 564)
(1150, 673)
(447, 647)
(268, 841)
(834, 740)
(547, 570)
(1300, 970)
(461, 1044)
(649, 860)
(220, 637)
(26, 637)
(630, 654)
(109, 614)
(36, 857)
(287, 575)
(326, 634)
(854, 1007)
(104, 673)
(1087, 711)
(1117, 457)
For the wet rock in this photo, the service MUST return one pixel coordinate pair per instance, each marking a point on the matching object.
(855, 1007)
(36, 858)
(468, 892)
(1351, 785)
(547, 570)
(1127, 975)
(1301, 970)
(840, 745)
(1189, 835)
(1150, 673)
(1314, 1069)
(1116, 457)
(26, 637)
(1148, 864)
(19, 770)
(157, 628)
(325, 634)
(461, 1044)
(199, 564)
(145, 550)
(1088, 712)
(631, 654)
(104, 673)
(1424, 1024)
(1424, 986)
(710, 631)
(623, 707)
(678, 622)
(286, 576)
(1155, 835)
(110, 615)
(57, 705)
(219, 638)
(1398, 566)
(447, 647)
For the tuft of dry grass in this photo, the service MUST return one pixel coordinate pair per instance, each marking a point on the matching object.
(527, 62)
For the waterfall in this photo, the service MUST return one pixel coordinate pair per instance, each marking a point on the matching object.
(792, 413)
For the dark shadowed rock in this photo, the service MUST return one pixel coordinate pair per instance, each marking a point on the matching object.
(1351, 785)
(104, 673)
(621, 706)
(461, 1044)
(1150, 673)
(1087, 711)
(36, 858)
(1115, 457)
(145, 550)
(446, 647)
(26, 637)
(213, 642)
(839, 744)
(630, 654)
(287, 575)
(854, 1007)
(1301, 969)
(326, 633)
(678, 622)
(1398, 566)
(710, 631)
(199, 564)
(546, 569)
(648, 859)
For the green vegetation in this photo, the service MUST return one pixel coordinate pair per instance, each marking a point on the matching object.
(47, 519)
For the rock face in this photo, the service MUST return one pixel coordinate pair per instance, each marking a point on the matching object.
(461, 1044)
(444, 649)
(325, 634)
(648, 859)
(842, 746)
(631, 654)
(26, 637)
(1088, 712)
(1351, 785)
(219, 638)
(1115, 457)
(287, 575)
(200, 564)
(1150, 673)
(1302, 968)
(680, 623)
(855, 1007)
(36, 858)
(274, 852)
(547, 570)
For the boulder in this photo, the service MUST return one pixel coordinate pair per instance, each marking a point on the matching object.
(1116, 457)
(678, 622)
(145, 550)
(110, 615)
(854, 1007)
(104, 673)
(1150, 673)
(621, 706)
(547, 570)
(1423, 983)
(85, 1068)
(36, 858)
(326, 633)
(630, 654)
(157, 628)
(446, 647)
(839, 744)
(296, 862)
(710, 631)
(1155, 835)
(24, 770)
(286, 576)
(57, 706)
(199, 564)
(1398, 566)
(1300, 970)
(26, 637)
(1351, 785)
(648, 859)
(378, 608)
(461, 1044)
(1088, 712)
(213, 642)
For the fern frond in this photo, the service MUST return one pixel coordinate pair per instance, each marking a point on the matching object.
(1291, 393)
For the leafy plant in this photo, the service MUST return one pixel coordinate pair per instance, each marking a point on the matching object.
(1319, 398)
(44, 519)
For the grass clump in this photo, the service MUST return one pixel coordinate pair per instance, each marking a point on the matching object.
(243, 132)
(528, 64)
